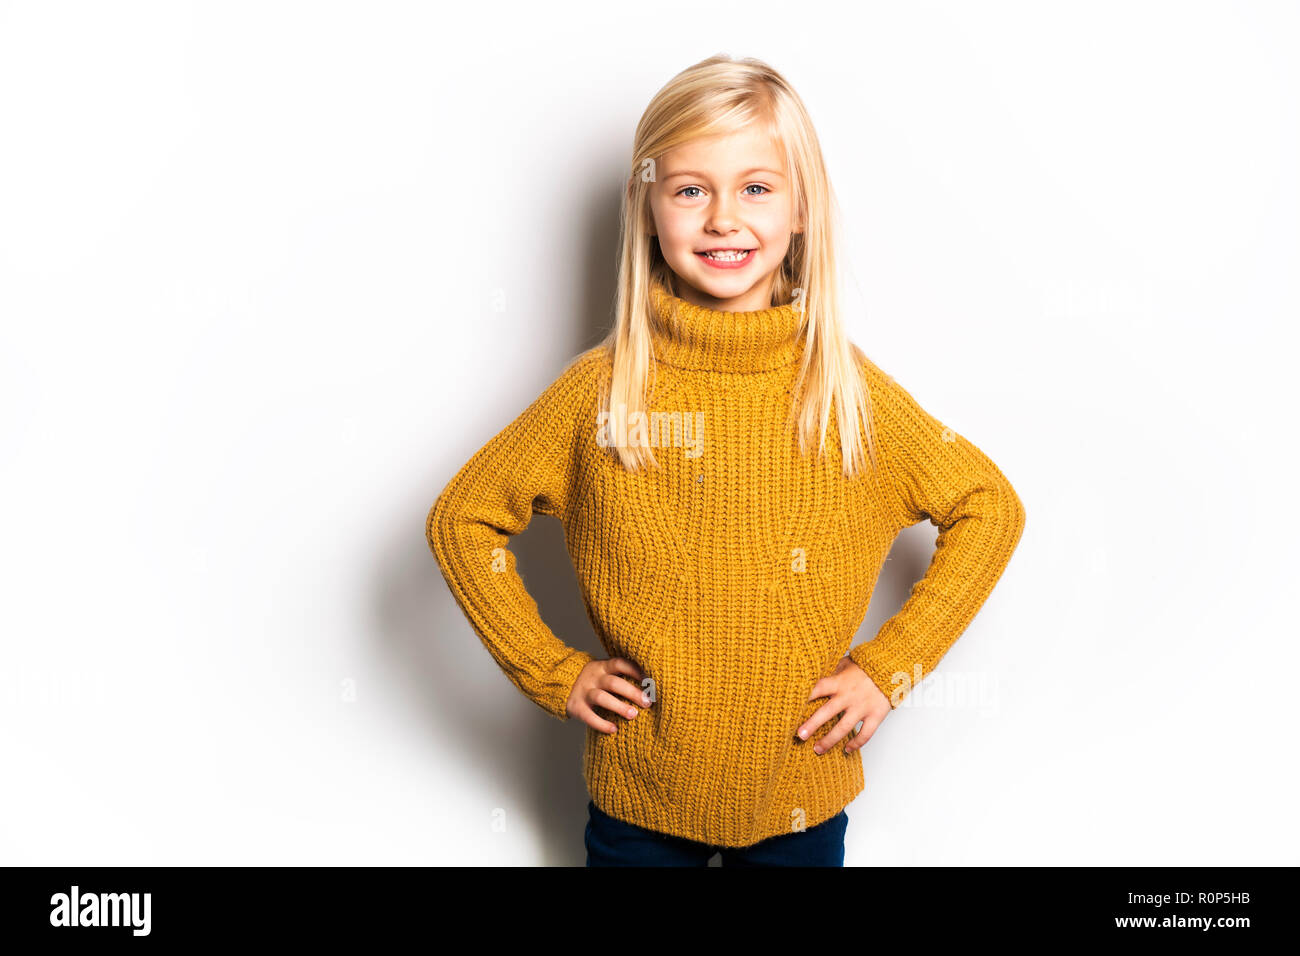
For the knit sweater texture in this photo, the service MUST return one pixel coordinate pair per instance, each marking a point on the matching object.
(735, 575)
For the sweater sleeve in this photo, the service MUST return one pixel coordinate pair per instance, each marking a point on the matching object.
(936, 474)
(528, 467)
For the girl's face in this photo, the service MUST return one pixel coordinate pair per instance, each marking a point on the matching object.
(724, 193)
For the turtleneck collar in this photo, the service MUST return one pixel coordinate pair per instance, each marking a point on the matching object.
(694, 337)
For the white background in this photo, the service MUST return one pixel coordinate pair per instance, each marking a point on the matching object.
(271, 272)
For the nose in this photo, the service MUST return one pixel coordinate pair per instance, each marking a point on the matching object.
(722, 215)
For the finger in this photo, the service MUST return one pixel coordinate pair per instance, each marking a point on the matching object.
(820, 716)
(827, 685)
(837, 733)
(583, 711)
(645, 684)
(625, 688)
(870, 722)
(604, 698)
(865, 727)
(621, 665)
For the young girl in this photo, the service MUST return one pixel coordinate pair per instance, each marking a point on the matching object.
(730, 471)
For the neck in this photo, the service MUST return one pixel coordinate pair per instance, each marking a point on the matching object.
(692, 336)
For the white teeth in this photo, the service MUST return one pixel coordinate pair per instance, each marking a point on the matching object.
(727, 256)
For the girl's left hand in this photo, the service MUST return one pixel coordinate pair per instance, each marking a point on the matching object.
(854, 696)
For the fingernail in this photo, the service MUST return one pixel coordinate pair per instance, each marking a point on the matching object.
(631, 712)
(803, 735)
(817, 748)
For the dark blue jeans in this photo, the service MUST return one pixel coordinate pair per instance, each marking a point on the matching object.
(612, 842)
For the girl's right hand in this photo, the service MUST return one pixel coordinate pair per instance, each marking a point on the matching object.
(598, 685)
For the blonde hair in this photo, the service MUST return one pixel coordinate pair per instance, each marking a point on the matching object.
(717, 97)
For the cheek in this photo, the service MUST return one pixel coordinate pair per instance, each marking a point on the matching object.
(773, 232)
(667, 236)
(679, 231)
(775, 246)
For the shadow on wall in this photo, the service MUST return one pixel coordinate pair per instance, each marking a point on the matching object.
(531, 759)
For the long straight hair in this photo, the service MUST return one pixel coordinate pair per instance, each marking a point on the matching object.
(717, 97)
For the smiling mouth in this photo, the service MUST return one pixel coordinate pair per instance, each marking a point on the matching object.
(726, 255)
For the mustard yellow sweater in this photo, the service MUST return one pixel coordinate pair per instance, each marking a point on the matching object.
(735, 575)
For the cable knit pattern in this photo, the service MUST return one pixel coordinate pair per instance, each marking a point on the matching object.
(735, 575)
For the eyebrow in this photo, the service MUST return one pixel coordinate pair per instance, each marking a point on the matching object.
(748, 172)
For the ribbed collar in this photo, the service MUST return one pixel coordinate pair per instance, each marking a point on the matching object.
(690, 336)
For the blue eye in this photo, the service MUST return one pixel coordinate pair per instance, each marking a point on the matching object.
(750, 186)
